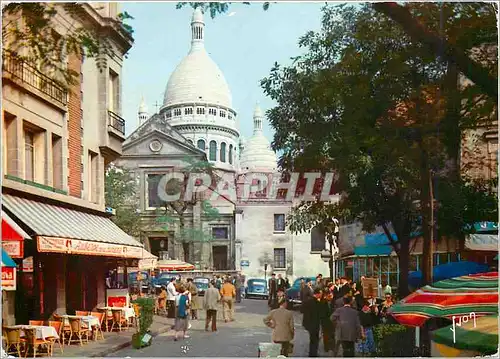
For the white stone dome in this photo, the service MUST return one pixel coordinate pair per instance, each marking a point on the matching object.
(257, 154)
(197, 79)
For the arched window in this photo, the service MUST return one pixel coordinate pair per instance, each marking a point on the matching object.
(201, 145)
(213, 151)
(223, 152)
(231, 154)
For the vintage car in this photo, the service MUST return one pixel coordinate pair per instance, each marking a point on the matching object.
(293, 293)
(142, 277)
(202, 284)
(256, 288)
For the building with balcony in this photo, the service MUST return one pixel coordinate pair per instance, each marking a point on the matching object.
(56, 142)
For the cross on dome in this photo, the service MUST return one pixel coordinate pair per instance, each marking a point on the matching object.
(197, 30)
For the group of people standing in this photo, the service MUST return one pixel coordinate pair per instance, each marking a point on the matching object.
(277, 290)
(180, 300)
(343, 315)
(338, 312)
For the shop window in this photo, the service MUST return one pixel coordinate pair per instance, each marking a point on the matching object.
(393, 270)
(384, 266)
(443, 258)
(201, 145)
(279, 222)
(188, 111)
(362, 266)
(200, 110)
(213, 151)
(279, 258)
(223, 152)
(412, 266)
(231, 154)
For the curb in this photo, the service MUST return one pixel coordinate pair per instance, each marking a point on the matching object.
(128, 343)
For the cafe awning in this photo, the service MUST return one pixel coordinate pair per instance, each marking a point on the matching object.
(64, 230)
(13, 237)
(482, 242)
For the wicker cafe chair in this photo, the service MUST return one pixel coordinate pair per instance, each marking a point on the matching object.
(33, 342)
(13, 341)
(98, 329)
(81, 313)
(65, 330)
(118, 319)
(36, 322)
(78, 331)
(58, 326)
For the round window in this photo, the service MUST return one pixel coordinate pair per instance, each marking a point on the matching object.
(155, 146)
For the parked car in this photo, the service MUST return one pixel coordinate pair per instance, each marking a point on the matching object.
(202, 284)
(256, 288)
(293, 293)
(144, 279)
(161, 280)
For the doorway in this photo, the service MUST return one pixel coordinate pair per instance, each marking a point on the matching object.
(219, 254)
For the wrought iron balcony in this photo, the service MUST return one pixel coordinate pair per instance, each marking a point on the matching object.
(28, 74)
(117, 122)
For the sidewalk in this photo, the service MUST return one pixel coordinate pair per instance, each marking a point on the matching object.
(113, 341)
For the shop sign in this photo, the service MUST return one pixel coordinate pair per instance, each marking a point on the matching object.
(28, 265)
(8, 278)
(76, 246)
(15, 249)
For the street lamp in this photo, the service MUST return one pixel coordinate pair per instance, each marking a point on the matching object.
(331, 226)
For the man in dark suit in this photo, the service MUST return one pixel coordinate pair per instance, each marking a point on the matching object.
(273, 292)
(315, 316)
(347, 326)
(280, 283)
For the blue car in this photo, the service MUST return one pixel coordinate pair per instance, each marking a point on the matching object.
(161, 280)
(293, 293)
(202, 284)
(256, 288)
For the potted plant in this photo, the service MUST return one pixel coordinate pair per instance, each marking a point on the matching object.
(143, 336)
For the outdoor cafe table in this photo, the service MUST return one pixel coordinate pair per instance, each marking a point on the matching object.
(42, 331)
(129, 312)
(87, 319)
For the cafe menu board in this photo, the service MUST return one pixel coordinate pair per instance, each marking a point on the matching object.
(117, 298)
(370, 287)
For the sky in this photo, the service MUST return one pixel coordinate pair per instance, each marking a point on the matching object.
(245, 43)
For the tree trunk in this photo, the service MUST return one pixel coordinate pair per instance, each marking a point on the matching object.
(427, 223)
(185, 241)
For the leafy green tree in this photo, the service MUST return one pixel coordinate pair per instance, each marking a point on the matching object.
(121, 195)
(367, 102)
(29, 34)
(173, 215)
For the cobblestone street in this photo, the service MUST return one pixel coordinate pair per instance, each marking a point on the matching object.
(236, 339)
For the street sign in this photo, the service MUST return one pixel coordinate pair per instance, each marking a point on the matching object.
(245, 263)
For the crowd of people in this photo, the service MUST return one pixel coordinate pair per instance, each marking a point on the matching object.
(338, 312)
(180, 299)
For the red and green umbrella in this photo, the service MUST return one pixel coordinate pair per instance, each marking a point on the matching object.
(475, 293)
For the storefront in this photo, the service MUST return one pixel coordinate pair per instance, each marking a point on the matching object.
(9, 275)
(66, 259)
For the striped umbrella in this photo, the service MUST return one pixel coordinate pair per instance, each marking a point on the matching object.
(173, 265)
(475, 293)
(474, 338)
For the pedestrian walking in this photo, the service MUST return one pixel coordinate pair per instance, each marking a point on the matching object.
(193, 289)
(181, 317)
(162, 301)
(281, 321)
(210, 302)
(273, 291)
(347, 327)
(171, 295)
(228, 293)
(314, 317)
(368, 318)
(307, 291)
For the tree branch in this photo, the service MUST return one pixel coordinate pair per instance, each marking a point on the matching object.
(439, 47)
